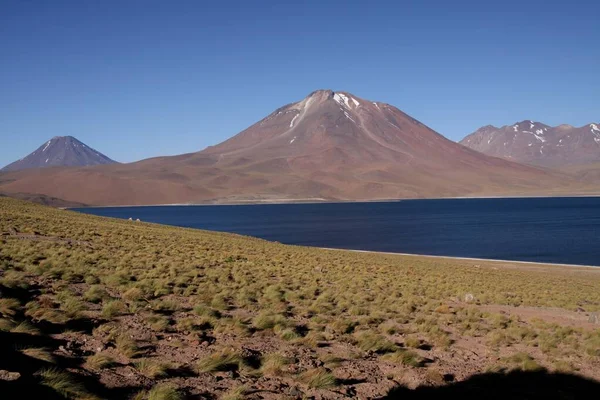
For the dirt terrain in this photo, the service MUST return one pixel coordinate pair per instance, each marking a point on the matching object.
(94, 307)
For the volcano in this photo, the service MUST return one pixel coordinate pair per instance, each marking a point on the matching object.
(60, 151)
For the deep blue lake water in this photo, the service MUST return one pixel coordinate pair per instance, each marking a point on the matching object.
(557, 230)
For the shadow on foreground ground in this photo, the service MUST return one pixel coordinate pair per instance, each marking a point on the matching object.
(512, 385)
(28, 384)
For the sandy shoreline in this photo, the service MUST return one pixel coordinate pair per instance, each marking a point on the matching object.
(324, 201)
(492, 260)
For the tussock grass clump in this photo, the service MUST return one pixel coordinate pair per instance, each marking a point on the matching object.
(390, 328)
(205, 311)
(113, 309)
(158, 323)
(523, 362)
(39, 353)
(342, 326)
(72, 307)
(133, 294)
(99, 361)
(194, 324)
(274, 364)
(591, 343)
(151, 368)
(25, 327)
(331, 360)
(164, 392)
(236, 393)
(166, 305)
(369, 341)
(6, 324)
(95, 294)
(220, 302)
(404, 357)
(9, 307)
(318, 378)
(564, 367)
(412, 341)
(64, 384)
(266, 320)
(225, 360)
(14, 279)
(127, 346)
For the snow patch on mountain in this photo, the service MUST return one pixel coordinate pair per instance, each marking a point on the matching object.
(341, 99)
(293, 119)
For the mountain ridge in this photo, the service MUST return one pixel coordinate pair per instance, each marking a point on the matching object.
(330, 145)
(539, 144)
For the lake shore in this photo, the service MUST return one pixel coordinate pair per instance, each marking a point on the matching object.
(325, 201)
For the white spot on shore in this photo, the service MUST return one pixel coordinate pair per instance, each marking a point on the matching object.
(293, 119)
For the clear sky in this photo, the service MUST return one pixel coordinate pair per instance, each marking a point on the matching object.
(137, 79)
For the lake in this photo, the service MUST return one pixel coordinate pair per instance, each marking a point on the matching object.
(555, 230)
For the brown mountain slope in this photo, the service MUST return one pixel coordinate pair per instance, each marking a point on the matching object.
(539, 144)
(333, 146)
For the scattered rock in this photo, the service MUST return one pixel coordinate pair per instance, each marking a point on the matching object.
(8, 375)
(295, 392)
(594, 318)
(469, 298)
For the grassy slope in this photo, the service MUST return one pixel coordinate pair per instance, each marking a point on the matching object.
(203, 302)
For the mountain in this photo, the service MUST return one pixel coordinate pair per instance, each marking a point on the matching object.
(328, 146)
(539, 144)
(60, 151)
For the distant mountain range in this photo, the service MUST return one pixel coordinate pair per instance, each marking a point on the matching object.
(60, 151)
(539, 144)
(327, 146)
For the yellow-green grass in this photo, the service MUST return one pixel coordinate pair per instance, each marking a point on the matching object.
(200, 284)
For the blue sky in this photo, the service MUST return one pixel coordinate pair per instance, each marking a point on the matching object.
(137, 79)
